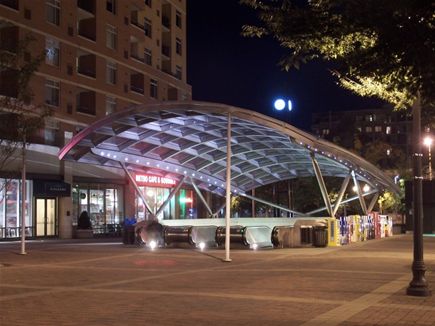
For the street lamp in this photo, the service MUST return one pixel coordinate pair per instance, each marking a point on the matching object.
(428, 142)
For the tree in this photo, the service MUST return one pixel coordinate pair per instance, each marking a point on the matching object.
(19, 119)
(378, 48)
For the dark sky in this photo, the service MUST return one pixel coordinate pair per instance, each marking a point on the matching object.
(225, 67)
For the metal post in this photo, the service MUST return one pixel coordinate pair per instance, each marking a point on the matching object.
(430, 162)
(228, 193)
(340, 195)
(171, 194)
(360, 194)
(201, 197)
(322, 185)
(23, 199)
(418, 286)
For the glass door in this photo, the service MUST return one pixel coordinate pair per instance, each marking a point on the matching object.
(45, 217)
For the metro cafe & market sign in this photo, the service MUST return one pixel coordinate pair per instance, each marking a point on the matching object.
(155, 181)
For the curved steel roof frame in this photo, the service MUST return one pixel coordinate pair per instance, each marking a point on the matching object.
(188, 138)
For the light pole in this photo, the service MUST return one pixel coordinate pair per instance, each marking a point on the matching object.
(428, 142)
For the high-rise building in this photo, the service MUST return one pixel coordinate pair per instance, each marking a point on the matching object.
(101, 56)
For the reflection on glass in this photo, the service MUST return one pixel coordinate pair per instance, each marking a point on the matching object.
(40, 217)
(51, 216)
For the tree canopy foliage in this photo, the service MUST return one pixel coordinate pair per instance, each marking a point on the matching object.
(380, 48)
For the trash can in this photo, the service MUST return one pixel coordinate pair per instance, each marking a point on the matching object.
(128, 236)
(320, 236)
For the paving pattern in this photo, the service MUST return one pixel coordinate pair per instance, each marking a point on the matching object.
(107, 283)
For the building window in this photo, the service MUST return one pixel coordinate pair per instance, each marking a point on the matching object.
(368, 129)
(388, 152)
(388, 130)
(178, 72)
(178, 46)
(153, 88)
(111, 35)
(52, 92)
(110, 105)
(111, 72)
(147, 27)
(53, 11)
(378, 129)
(52, 52)
(148, 3)
(148, 56)
(325, 132)
(178, 19)
(111, 6)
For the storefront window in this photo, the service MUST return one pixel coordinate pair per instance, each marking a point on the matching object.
(155, 198)
(104, 204)
(10, 206)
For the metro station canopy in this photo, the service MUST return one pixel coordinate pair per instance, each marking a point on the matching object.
(189, 139)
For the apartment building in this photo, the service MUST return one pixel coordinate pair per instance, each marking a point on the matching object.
(101, 56)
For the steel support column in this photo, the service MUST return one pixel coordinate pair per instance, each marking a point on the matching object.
(228, 192)
(341, 194)
(322, 185)
(130, 177)
(360, 195)
(271, 204)
(373, 202)
(343, 202)
(171, 194)
(198, 192)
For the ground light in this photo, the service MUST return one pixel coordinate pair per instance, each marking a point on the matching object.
(201, 246)
(152, 245)
(254, 246)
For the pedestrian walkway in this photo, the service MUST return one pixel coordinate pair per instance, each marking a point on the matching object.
(108, 283)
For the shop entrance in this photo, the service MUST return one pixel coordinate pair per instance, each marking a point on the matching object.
(45, 217)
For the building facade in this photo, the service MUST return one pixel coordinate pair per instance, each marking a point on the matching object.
(101, 56)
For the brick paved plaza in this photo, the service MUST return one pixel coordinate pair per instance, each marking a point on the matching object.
(108, 283)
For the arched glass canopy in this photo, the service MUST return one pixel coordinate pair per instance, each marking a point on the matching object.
(188, 139)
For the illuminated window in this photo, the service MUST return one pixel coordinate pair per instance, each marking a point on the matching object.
(388, 152)
(111, 35)
(368, 129)
(53, 11)
(388, 130)
(378, 129)
(52, 52)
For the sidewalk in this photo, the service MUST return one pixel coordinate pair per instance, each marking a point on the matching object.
(107, 283)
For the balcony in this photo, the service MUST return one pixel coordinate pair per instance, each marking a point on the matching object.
(9, 83)
(166, 22)
(134, 19)
(9, 38)
(166, 51)
(87, 28)
(137, 82)
(135, 49)
(86, 64)
(86, 8)
(85, 101)
(13, 4)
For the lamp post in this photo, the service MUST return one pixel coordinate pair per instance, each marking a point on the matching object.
(428, 142)
(418, 285)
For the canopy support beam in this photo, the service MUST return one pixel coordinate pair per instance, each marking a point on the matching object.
(228, 192)
(341, 194)
(360, 194)
(343, 202)
(373, 202)
(272, 204)
(198, 192)
(171, 194)
(133, 182)
(322, 185)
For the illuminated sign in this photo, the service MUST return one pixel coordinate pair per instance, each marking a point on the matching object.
(155, 180)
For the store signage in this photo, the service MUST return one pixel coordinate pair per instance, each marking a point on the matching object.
(154, 180)
(51, 188)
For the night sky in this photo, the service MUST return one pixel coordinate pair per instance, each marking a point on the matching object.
(225, 67)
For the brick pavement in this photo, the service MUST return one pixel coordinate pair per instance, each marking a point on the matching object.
(107, 283)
